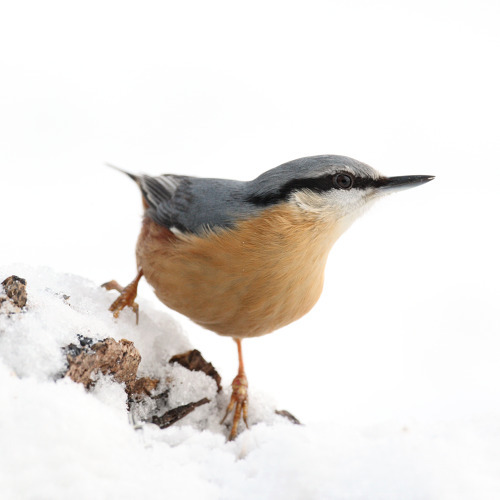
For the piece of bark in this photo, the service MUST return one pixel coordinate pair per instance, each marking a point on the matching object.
(174, 415)
(194, 361)
(120, 359)
(289, 416)
(144, 386)
(13, 295)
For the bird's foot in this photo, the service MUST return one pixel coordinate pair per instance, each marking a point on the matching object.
(126, 298)
(239, 401)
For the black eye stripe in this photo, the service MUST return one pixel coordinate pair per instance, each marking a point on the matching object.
(316, 184)
(365, 182)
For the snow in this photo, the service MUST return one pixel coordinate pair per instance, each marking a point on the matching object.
(59, 441)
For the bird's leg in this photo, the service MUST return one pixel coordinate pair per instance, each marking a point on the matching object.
(239, 397)
(127, 296)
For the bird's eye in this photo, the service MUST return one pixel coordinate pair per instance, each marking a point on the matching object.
(343, 181)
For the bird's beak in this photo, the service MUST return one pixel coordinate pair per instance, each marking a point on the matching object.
(392, 184)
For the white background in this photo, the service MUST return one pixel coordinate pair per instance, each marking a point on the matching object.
(408, 325)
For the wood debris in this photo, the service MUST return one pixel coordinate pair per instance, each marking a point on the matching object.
(289, 416)
(174, 415)
(109, 357)
(13, 295)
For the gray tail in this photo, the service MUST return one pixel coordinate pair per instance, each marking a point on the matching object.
(132, 176)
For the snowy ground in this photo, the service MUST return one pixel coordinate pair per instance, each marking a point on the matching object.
(59, 441)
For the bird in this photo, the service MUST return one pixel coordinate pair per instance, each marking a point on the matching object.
(245, 258)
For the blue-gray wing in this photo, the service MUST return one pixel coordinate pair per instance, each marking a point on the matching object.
(193, 204)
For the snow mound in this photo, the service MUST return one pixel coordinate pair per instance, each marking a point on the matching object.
(59, 441)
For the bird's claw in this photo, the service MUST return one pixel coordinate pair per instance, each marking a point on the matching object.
(238, 402)
(126, 298)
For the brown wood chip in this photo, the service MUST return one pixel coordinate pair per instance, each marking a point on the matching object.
(289, 416)
(120, 359)
(13, 295)
(144, 386)
(174, 415)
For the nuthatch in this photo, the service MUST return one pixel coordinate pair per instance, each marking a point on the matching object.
(245, 258)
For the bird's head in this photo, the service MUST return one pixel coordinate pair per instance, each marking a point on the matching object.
(333, 188)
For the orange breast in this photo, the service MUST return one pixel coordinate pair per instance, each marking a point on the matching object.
(242, 282)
